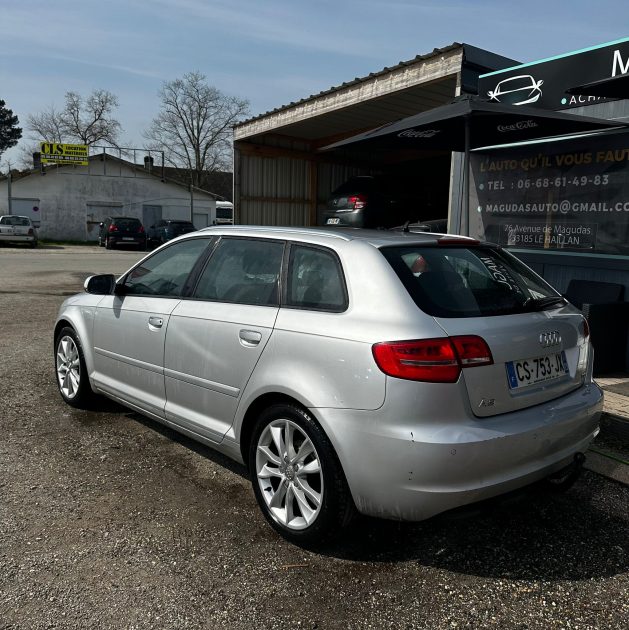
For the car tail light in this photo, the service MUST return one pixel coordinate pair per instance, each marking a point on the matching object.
(141, 229)
(431, 360)
(472, 351)
(357, 201)
(113, 228)
(31, 232)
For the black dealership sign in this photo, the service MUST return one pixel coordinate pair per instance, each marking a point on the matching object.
(545, 83)
(569, 196)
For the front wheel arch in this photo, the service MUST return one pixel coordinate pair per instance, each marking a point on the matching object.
(83, 396)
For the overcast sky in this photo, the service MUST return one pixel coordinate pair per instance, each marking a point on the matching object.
(271, 52)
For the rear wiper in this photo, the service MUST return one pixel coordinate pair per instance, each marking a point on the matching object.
(533, 304)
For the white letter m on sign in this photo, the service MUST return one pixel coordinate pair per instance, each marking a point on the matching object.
(618, 65)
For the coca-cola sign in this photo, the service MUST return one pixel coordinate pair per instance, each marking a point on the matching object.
(519, 126)
(417, 133)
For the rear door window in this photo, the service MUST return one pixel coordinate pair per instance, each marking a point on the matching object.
(469, 282)
(243, 271)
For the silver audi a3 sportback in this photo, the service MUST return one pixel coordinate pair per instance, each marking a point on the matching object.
(392, 373)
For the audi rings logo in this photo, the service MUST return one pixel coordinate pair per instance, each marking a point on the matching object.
(548, 339)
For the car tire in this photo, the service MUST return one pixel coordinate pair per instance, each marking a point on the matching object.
(297, 478)
(33, 244)
(72, 379)
(108, 243)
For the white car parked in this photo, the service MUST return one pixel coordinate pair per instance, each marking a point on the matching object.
(17, 229)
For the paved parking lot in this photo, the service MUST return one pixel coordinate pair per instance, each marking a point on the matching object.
(109, 520)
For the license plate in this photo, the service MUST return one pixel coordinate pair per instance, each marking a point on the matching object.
(536, 369)
(128, 238)
(333, 221)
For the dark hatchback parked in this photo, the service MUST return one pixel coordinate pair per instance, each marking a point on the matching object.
(367, 201)
(167, 229)
(115, 231)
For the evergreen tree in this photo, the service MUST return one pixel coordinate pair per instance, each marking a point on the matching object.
(10, 133)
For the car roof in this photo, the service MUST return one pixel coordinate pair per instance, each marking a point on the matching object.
(323, 236)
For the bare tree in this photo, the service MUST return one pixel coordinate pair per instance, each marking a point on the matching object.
(193, 126)
(82, 120)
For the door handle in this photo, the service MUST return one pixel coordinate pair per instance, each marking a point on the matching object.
(156, 322)
(250, 337)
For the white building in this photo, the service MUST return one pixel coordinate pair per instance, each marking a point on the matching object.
(68, 202)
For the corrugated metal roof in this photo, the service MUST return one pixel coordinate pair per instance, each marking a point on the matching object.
(394, 92)
(372, 75)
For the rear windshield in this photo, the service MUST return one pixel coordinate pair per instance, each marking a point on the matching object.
(15, 221)
(356, 185)
(469, 281)
(224, 213)
(181, 224)
(127, 224)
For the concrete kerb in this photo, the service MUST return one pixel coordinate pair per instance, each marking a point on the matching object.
(609, 454)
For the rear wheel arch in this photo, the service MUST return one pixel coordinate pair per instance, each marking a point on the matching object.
(303, 493)
(253, 412)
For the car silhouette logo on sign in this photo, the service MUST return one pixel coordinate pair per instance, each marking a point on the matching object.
(520, 90)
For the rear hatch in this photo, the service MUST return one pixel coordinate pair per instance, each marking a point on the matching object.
(15, 226)
(348, 194)
(127, 228)
(352, 196)
(538, 342)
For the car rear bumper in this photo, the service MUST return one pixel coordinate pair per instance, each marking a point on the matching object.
(353, 218)
(127, 240)
(17, 238)
(411, 468)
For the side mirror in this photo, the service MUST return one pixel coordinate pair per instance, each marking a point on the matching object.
(102, 284)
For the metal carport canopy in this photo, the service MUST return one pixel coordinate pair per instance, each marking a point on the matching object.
(279, 175)
(408, 88)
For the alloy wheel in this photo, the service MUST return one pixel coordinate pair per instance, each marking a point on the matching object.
(288, 470)
(68, 367)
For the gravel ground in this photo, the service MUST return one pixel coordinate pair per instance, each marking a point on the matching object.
(109, 520)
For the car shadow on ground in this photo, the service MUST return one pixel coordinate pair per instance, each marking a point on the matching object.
(532, 534)
(107, 406)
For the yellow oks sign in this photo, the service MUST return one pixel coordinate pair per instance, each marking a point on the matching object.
(57, 153)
